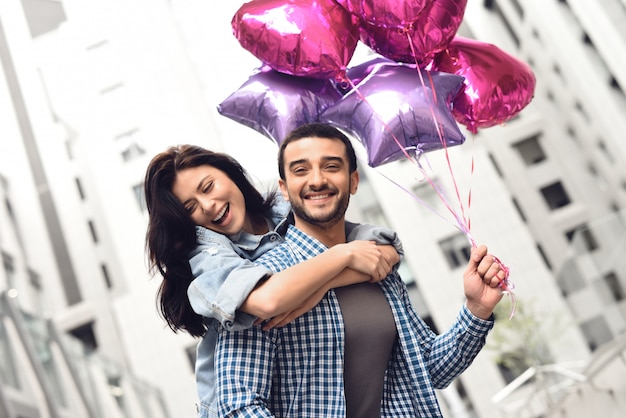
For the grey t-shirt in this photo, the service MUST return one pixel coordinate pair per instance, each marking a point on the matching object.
(370, 334)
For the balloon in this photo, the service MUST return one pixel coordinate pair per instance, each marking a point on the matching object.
(305, 38)
(273, 103)
(385, 13)
(357, 73)
(421, 39)
(497, 85)
(391, 112)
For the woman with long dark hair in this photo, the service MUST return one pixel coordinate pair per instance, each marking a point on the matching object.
(207, 224)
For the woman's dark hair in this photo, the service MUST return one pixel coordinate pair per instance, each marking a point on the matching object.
(171, 234)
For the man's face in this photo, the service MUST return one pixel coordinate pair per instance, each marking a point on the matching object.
(317, 181)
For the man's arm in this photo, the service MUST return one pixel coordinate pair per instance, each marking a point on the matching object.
(451, 353)
(244, 361)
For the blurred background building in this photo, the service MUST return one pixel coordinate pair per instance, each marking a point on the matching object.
(91, 90)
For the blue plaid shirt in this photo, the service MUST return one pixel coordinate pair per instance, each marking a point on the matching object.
(297, 371)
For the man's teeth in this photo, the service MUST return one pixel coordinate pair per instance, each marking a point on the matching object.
(322, 196)
(221, 214)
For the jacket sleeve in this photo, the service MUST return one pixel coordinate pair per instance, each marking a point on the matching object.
(380, 234)
(222, 282)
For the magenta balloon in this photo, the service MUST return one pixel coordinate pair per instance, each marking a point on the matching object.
(431, 32)
(274, 103)
(497, 85)
(386, 13)
(305, 38)
(391, 112)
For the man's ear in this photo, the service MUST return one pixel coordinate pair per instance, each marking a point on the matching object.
(283, 189)
(354, 181)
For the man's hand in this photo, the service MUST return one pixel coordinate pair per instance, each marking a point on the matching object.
(482, 282)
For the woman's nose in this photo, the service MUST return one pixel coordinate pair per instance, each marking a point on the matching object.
(206, 204)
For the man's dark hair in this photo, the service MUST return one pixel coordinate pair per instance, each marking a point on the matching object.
(320, 130)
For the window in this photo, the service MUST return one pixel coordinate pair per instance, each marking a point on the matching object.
(570, 279)
(530, 150)
(35, 279)
(456, 250)
(79, 187)
(132, 151)
(92, 229)
(612, 282)
(140, 198)
(106, 276)
(9, 269)
(605, 151)
(597, 332)
(582, 238)
(555, 195)
(86, 335)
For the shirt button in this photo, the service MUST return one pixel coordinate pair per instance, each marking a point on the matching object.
(273, 238)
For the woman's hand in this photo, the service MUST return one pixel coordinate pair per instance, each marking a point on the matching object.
(369, 258)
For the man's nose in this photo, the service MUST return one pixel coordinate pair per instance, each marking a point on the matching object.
(317, 178)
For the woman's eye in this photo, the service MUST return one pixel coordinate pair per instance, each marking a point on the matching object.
(191, 208)
(207, 187)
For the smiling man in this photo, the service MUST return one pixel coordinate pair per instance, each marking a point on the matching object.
(362, 351)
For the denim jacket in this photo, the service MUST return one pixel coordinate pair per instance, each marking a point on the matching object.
(225, 274)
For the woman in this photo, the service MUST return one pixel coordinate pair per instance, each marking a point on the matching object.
(207, 223)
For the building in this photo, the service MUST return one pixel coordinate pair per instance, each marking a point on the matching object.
(94, 89)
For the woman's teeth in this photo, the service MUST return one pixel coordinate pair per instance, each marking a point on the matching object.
(220, 215)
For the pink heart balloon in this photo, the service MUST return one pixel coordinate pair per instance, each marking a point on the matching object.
(418, 41)
(299, 37)
(385, 13)
(497, 85)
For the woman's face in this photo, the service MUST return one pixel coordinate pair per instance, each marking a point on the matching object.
(211, 198)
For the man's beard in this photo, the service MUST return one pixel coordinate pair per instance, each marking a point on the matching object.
(322, 217)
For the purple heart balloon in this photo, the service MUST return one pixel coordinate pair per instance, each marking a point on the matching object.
(274, 103)
(392, 113)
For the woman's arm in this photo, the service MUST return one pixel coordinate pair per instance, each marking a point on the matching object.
(354, 262)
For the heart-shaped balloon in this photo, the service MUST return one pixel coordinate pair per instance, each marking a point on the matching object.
(394, 112)
(274, 103)
(308, 38)
(497, 85)
(417, 42)
(392, 14)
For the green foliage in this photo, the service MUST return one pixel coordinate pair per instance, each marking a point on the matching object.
(521, 342)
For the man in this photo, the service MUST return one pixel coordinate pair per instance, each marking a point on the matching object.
(362, 351)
